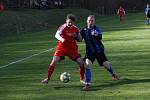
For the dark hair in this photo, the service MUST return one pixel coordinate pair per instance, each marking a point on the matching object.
(71, 16)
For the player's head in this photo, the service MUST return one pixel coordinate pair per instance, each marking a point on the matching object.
(70, 19)
(147, 5)
(90, 20)
(120, 7)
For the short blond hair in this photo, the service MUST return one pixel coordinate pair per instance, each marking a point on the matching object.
(91, 16)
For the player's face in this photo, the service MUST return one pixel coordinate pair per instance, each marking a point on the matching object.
(90, 21)
(69, 22)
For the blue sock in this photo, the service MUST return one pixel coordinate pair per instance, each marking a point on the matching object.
(88, 75)
(110, 70)
(147, 22)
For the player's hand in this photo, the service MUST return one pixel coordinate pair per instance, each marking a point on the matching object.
(74, 35)
(62, 40)
(95, 33)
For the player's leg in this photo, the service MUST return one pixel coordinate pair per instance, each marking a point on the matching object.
(51, 68)
(123, 17)
(109, 68)
(103, 61)
(87, 82)
(81, 68)
(120, 18)
(58, 56)
(75, 56)
(88, 64)
(88, 59)
(148, 21)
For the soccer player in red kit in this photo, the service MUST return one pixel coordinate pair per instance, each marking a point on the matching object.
(67, 34)
(1, 6)
(121, 13)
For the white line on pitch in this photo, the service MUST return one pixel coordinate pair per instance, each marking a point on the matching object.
(25, 58)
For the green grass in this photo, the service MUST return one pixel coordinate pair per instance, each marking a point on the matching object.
(27, 21)
(127, 47)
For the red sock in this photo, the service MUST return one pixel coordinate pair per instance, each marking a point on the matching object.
(82, 71)
(50, 71)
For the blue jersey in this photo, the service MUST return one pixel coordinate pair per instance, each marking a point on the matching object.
(93, 43)
(147, 11)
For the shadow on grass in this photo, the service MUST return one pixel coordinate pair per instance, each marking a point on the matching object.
(101, 87)
(72, 87)
(125, 28)
(121, 82)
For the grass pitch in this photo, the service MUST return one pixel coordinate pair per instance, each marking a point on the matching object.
(127, 47)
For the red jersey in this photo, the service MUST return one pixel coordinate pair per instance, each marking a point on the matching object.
(121, 12)
(1, 7)
(66, 32)
(69, 46)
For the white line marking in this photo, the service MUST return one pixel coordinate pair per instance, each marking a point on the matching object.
(25, 58)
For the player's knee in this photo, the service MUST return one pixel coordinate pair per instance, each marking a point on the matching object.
(53, 63)
(80, 62)
(54, 60)
(106, 64)
(51, 67)
(88, 63)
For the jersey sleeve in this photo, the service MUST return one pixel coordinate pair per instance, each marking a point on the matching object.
(79, 37)
(98, 30)
(82, 33)
(99, 33)
(145, 10)
(59, 32)
(76, 30)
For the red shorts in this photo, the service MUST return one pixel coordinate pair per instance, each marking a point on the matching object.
(121, 15)
(72, 54)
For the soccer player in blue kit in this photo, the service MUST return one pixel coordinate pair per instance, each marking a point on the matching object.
(92, 36)
(147, 13)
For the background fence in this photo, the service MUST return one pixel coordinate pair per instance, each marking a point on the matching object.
(100, 6)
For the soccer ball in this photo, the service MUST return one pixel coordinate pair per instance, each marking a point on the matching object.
(65, 77)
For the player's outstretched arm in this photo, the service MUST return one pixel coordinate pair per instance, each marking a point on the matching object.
(58, 37)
